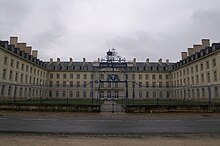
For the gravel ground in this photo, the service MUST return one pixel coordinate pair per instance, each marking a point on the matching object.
(52, 140)
(75, 140)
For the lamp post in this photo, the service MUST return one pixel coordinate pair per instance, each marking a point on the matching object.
(157, 94)
(15, 88)
(209, 92)
(41, 83)
(67, 83)
(184, 94)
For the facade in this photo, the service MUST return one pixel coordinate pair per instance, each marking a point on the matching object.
(24, 76)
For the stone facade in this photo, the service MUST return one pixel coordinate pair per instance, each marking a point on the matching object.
(24, 76)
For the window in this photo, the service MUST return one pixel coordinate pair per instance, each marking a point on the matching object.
(192, 70)
(201, 66)
(78, 76)
(160, 84)
(207, 64)
(84, 94)
(71, 83)
(91, 76)
(22, 67)
(31, 70)
(167, 77)
(202, 78)
(167, 84)
(84, 84)
(51, 83)
(168, 94)
(196, 68)
(77, 94)
(21, 91)
(160, 77)
(77, 84)
(21, 79)
(192, 80)
(140, 84)
(153, 77)
(64, 83)
(10, 75)
(6, 60)
(102, 77)
(12, 63)
(184, 72)
(3, 90)
(147, 84)
(133, 76)
(71, 76)
(109, 84)
(71, 93)
(147, 77)
(197, 80)
(154, 94)
(30, 80)
(26, 79)
(215, 75)
(147, 94)
(102, 85)
(64, 76)
(140, 94)
(85, 76)
(17, 65)
(16, 76)
(140, 77)
(4, 74)
(208, 77)
(57, 94)
(26, 68)
(153, 84)
(214, 62)
(58, 76)
(57, 83)
(9, 90)
(51, 76)
(64, 93)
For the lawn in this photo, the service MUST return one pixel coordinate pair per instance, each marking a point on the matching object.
(52, 102)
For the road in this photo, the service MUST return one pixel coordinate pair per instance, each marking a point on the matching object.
(118, 126)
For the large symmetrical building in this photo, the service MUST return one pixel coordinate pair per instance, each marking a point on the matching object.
(24, 76)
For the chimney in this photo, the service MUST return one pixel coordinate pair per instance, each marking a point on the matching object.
(134, 60)
(197, 48)
(205, 43)
(34, 53)
(22, 46)
(14, 41)
(167, 62)
(160, 61)
(148, 61)
(183, 55)
(28, 50)
(190, 51)
(84, 61)
(51, 60)
(71, 61)
(58, 61)
(98, 60)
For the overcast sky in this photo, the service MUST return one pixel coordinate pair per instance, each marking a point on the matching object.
(87, 28)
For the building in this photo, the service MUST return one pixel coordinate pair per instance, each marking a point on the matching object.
(24, 76)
